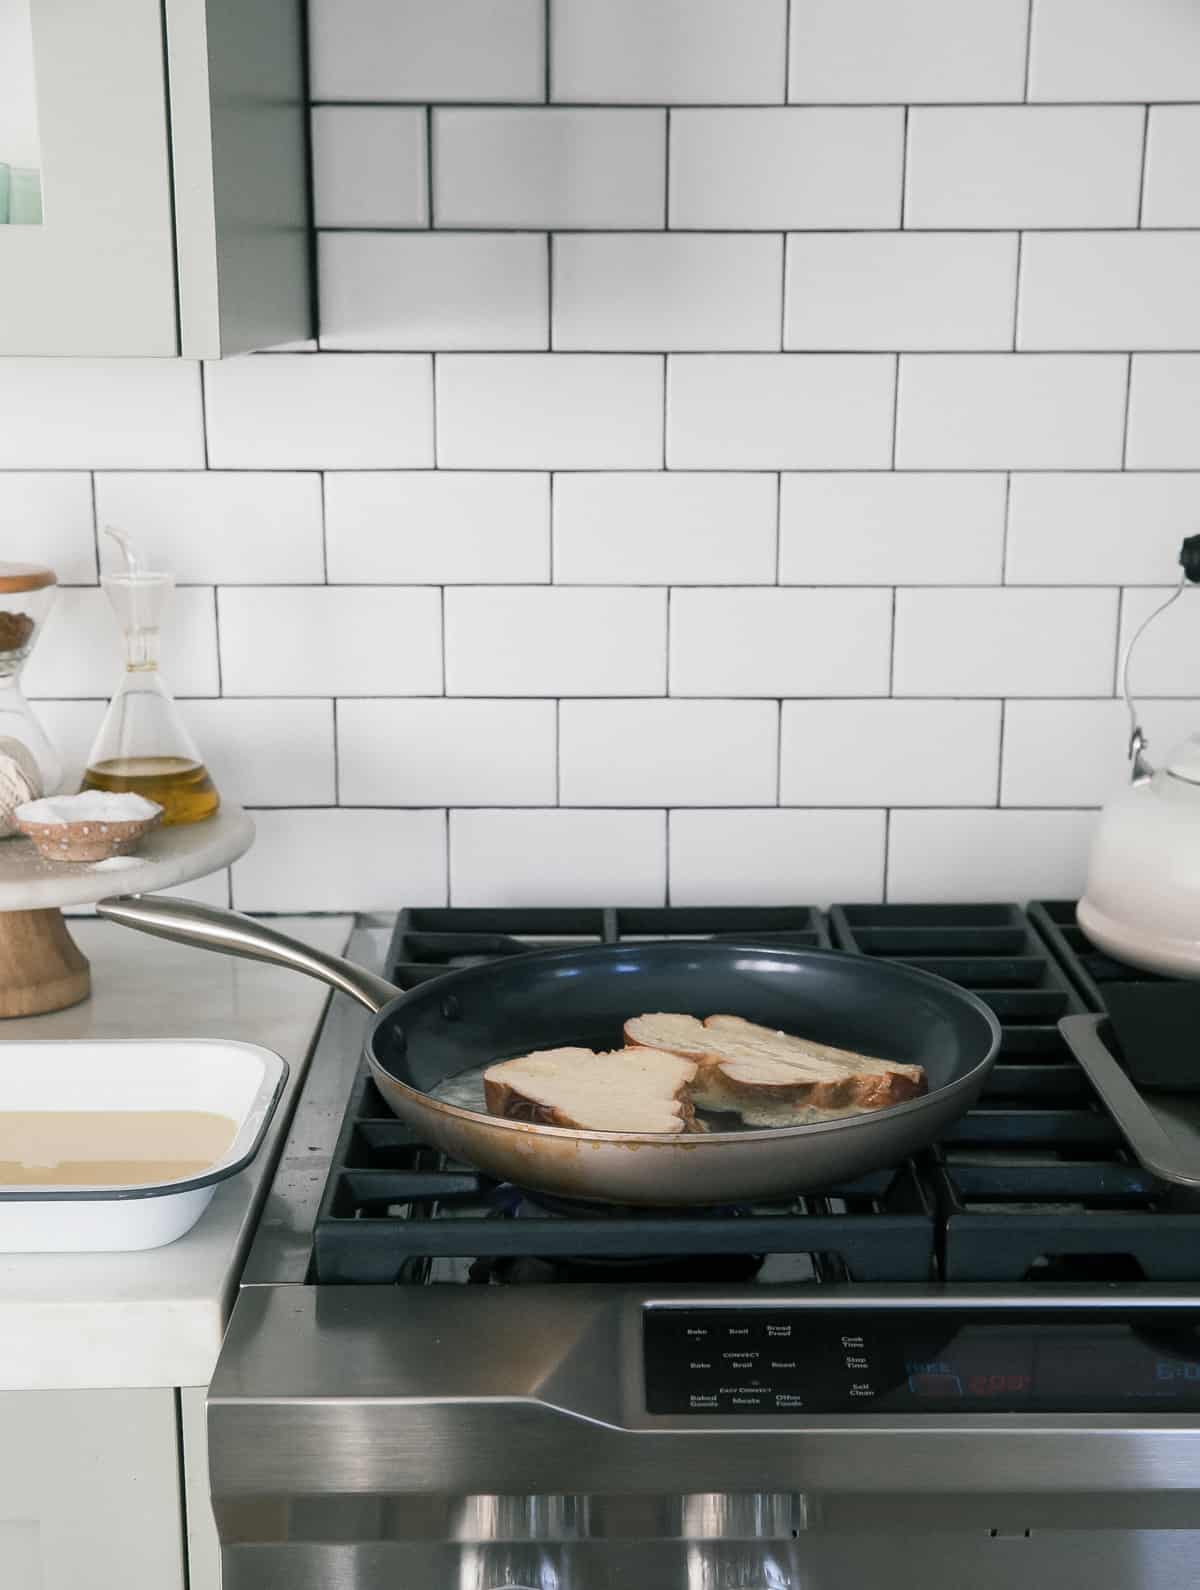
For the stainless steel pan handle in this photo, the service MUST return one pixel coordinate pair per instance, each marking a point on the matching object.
(209, 928)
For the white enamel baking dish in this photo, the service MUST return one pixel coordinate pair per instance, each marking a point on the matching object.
(240, 1080)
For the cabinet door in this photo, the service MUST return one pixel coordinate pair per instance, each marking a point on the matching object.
(97, 275)
(89, 1491)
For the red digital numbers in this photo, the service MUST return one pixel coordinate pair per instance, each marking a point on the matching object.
(998, 1385)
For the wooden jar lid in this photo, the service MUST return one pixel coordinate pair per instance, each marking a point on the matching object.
(25, 577)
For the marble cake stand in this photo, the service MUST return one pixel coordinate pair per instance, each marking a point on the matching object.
(41, 967)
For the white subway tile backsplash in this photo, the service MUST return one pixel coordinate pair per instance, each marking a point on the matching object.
(782, 169)
(549, 168)
(666, 753)
(336, 860)
(439, 752)
(270, 752)
(319, 411)
(555, 641)
(330, 641)
(780, 643)
(370, 166)
(663, 52)
(427, 49)
(886, 290)
(1121, 50)
(988, 855)
(868, 50)
(664, 529)
(211, 525)
(1110, 290)
(1103, 529)
(1010, 411)
(433, 290)
(665, 290)
(776, 857)
(1007, 641)
(433, 527)
(1167, 660)
(1023, 165)
(47, 518)
(1164, 412)
(1172, 190)
(80, 652)
(891, 529)
(550, 411)
(780, 411)
(100, 414)
(1075, 753)
(889, 753)
(560, 857)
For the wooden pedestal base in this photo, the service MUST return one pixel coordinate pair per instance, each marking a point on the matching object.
(41, 967)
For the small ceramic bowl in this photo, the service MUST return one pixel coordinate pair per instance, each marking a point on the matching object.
(88, 839)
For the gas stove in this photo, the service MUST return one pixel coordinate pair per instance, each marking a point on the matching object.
(979, 1365)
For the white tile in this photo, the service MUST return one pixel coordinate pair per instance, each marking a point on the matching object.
(1172, 191)
(446, 753)
(1167, 659)
(47, 518)
(871, 50)
(667, 290)
(427, 49)
(322, 411)
(664, 529)
(988, 855)
(780, 643)
(208, 526)
(776, 857)
(662, 52)
(889, 753)
(330, 641)
(100, 414)
(268, 752)
(1110, 290)
(549, 168)
(431, 527)
(780, 411)
(342, 861)
(1010, 411)
(739, 170)
(71, 727)
(1164, 412)
(433, 290)
(1008, 641)
(570, 858)
(890, 529)
(668, 753)
(1074, 753)
(1023, 165)
(549, 411)
(80, 651)
(900, 290)
(1123, 49)
(555, 641)
(1106, 529)
(370, 166)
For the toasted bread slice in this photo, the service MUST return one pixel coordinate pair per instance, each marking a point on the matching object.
(630, 1090)
(783, 1045)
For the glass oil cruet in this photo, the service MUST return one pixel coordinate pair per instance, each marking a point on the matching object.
(143, 745)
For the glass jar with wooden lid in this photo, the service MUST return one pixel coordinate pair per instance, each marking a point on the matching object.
(27, 592)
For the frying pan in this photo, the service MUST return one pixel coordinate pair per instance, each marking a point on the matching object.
(549, 998)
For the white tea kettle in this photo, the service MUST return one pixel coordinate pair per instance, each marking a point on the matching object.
(1142, 902)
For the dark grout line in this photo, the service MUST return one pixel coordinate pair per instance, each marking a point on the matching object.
(1142, 174)
(1028, 51)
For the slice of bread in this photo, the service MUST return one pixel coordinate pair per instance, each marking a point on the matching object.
(769, 1076)
(631, 1090)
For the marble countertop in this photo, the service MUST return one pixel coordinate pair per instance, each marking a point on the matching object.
(156, 1318)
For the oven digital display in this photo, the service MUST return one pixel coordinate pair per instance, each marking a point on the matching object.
(780, 1361)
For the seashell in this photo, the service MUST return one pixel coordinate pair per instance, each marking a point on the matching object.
(20, 781)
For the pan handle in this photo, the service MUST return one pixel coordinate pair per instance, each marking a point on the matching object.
(189, 922)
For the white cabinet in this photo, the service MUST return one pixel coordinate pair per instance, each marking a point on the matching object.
(169, 144)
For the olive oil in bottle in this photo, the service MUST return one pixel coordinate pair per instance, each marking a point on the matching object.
(182, 788)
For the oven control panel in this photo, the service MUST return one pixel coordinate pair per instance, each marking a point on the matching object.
(768, 1361)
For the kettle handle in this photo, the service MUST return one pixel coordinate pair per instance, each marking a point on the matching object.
(1189, 559)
